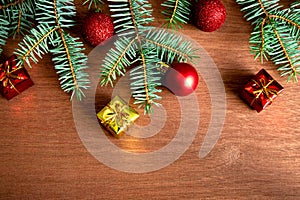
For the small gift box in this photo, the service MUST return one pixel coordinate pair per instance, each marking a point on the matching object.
(13, 79)
(117, 116)
(261, 90)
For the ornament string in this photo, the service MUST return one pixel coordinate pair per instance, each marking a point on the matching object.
(263, 88)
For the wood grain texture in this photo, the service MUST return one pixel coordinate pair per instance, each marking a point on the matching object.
(256, 157)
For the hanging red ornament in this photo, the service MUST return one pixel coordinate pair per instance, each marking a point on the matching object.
(209, 15)
(181, 79)
(97, 27)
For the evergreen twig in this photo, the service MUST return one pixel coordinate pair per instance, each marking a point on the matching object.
(177, 11)
(141, 43)
(4, 29)
(53, 17)
(16, 18)
(96, 3)
(276, 34)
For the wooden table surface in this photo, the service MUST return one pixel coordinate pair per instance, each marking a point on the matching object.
(256, 157)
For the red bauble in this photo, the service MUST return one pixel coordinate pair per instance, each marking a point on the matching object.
(97, 27)
(209, 15)
(181, 79)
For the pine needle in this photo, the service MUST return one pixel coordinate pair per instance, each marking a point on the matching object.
(141, 44)
(276, 34)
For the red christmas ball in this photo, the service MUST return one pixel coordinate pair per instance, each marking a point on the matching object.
(209, 15)
(97, 27)
(181, 79)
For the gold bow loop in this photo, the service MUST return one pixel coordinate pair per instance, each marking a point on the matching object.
(263, 88)
(8, 75)
(118, 115)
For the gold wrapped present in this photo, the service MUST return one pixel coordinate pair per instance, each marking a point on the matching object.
(117, 116)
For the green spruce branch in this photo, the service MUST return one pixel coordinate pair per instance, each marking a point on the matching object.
(176, 12)
(276, 34)
(4, 29)
(16, 18)
(170, 47)
(118, 59)
(6, 4)
(90, 3)
(53, 17)
(140, 43)
(35, 44)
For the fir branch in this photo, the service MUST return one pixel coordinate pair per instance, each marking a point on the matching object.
(6, 5)
(27, 7)
(91, 2)
(21, 23)
(4, 28)
(68, 59)
(170, 46)
(296, 6)
(18, 30)
(256, 10)
(46, 12)
(289, 21)
(68, 56)
(15, 18)
(290, 51)
(131, 16)
(70, 62)
(35, 44)
(19, 14)
(177, 11)
(56, 13)
(276, 34)
(64, 10)
(8, 8)
(135, 14)
(144, 81)
(141, 14)
(53, 16)
(75, 60)
(284, 19)
(122, 18)
(118, 59)
(141, 43)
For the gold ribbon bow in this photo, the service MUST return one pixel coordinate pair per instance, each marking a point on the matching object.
(8, 75)
(263, 89)
(118, 115)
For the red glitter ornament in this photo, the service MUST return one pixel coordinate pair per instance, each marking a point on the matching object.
(181, 79)
(97, 27)
(209, 15)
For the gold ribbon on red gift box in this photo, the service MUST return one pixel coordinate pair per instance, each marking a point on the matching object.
(263, 88)
(7, 75)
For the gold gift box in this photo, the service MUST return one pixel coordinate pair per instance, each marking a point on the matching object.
(117, 116)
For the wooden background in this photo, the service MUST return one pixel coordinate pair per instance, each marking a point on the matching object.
(256, 157)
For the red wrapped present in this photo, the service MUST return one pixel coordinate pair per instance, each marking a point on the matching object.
(13, 79)
(261, 90)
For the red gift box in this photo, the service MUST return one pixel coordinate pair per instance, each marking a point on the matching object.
(261, 90)
(13, 79)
